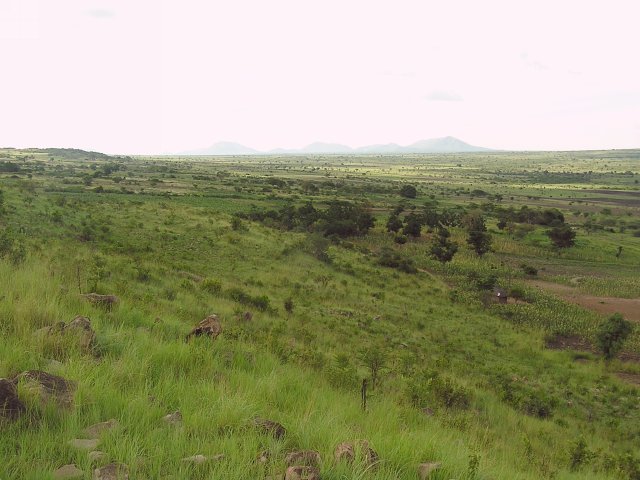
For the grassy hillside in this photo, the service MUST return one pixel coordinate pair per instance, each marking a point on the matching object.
(453, 376)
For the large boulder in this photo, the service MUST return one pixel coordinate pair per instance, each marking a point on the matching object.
(47, 387)
(10, 405)
(210, 327)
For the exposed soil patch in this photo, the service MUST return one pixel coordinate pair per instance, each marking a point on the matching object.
(633, 378)
(628, 307)
(568, 342)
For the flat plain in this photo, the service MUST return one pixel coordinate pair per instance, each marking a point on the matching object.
(323, 272)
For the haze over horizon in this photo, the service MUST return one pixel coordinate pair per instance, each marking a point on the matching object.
(162, 77)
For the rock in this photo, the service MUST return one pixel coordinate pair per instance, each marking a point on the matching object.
(270, 427)
(94, 431)
(96, 456)
(106, 301)
(80, 327)
(425, 469)
(174, 418)
(301, 472)
(113, 471)
(263, 457)
(79, 330)
(68, 472)
(346, 451)
(10, 405)
(199, 459)
(370, 456)
(210, 326)
(48, 387)
(303, 457)
(84, 443)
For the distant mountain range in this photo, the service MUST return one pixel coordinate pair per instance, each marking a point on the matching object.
(433, 145)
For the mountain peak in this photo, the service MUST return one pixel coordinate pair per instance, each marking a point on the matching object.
(447, 144)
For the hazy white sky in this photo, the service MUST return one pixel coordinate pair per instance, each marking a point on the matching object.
(142, 76)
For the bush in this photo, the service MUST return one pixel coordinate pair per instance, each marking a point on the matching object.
(408, 191)
(529, 270)
(261, 302)
(428, 388)
(579, 455)
(211, 285)
(612, 335)
(389, 258)
(562, 236)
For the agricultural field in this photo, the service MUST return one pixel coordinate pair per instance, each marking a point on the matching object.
(357, 310)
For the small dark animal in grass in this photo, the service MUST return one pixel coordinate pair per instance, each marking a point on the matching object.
(106, 301)
(210, 326)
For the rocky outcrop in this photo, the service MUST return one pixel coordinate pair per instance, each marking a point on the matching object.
(210, 327)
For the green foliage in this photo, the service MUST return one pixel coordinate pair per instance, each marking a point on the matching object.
(562, 236)
(10, 248)
(477, 238)
(388, 257)
(529, 270)
(261, 302)
(428, 388)
(374, 359)
(412, 225)
(612, 334)
(443, 249)
(211, 285)
(394, 224)
(408, 191)
(579, 455)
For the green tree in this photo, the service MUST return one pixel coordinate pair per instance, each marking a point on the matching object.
(412, 225)
(443, 249)
(394, 224)
(612, 335)
(562, 236)
(408, 191)
(477, 237)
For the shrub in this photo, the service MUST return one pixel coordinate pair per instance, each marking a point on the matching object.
(428, 388)
(579, 454)
(529, 270)
(562, 236)
(211, 285)
(390, 258)
(261, 302)
(408, 191)
(612, 335)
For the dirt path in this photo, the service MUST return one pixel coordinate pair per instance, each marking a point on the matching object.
(628, 307)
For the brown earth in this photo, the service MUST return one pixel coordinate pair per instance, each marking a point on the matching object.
(628, 307)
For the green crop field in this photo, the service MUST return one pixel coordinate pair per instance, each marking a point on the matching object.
(315, 291)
